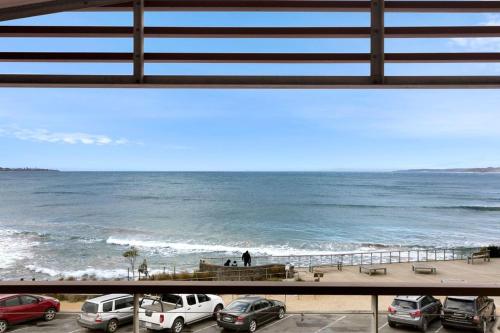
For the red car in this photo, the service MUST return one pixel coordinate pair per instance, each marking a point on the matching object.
(15, 309)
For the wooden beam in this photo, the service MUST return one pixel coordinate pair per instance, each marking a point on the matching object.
(245, 32)
(51, 7)
(139, 40)
(415, 6)
(244, 82)
(377, 41)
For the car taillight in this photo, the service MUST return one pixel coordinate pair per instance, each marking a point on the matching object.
(415, 314)
(391, 309)
(98, 318)
(239, 320)
(476, 319)
(162, 319)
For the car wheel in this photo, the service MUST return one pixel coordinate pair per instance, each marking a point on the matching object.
(252, 327)
(281, 313)
(424, 325)
(178, 325)
(391, 324)
(217, 310)
(112, 326)
(3, 326)
(49, 314)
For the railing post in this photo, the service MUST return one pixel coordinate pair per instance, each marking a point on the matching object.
(371, 258)
(136, 313)
(374, 328)
(377, 41)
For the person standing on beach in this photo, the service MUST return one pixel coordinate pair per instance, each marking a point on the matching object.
(247, 259)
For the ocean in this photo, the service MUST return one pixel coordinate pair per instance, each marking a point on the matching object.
(56, 224)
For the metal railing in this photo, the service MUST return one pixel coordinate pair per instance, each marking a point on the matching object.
(356, 258)
(139, 288)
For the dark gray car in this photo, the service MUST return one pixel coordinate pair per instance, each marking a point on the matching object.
(416, 311)
(248, 313)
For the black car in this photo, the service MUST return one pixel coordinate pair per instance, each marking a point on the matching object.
(468, 312)
(247, 313)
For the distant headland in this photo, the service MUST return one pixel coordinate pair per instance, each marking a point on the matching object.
(27, 169)
(479, 170)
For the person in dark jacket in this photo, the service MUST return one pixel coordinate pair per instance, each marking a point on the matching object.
(247, 259)
(228, 262)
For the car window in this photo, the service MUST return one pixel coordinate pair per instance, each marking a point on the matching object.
(459, 304)
(12, 302)
(203, 298)
(424, 302)
(89, 307)
(191, 300)
(173, 299)
(107, 307)
(264, 304)
(409, 305)
(124, 303)
(238, 307)
(26, 299)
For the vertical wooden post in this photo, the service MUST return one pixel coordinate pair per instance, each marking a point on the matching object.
(139, 40)
(377, 41)
(136, 313)
(374, 328)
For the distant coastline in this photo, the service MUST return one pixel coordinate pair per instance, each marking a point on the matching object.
(27, 169)
(478, 170)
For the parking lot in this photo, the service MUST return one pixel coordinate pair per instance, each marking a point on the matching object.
(292, 323)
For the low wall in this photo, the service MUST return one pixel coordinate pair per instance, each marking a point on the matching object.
(241, 273)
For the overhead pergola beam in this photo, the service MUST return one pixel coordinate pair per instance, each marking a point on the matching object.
(138, 40)
(377, 41)
(251, 82)
(325, 58)
(245, 32)
(51, 7)
(442, 6)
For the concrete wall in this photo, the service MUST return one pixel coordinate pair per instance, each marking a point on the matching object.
(241, 273)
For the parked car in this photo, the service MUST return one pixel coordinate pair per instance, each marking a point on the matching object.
(468, 312)
(107, 312)
(173, 311)
(248, 313)
(16, 309)
(416, 311)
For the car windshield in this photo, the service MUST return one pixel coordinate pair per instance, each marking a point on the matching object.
(238, 306)
(405, 304)
(89, 307)
(459, 304)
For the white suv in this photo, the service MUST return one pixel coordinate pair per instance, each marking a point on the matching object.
(107, 312)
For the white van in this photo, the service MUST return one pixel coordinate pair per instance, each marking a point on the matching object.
(107, 312)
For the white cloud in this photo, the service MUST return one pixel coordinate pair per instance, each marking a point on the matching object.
(43, 135)
(480, 44)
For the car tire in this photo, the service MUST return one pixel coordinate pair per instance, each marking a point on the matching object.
(252, 327)
(3, 326)
(391, 324)
(281, 313)
(217, 310)
(177, 326)
(112, 326)
(49, 314)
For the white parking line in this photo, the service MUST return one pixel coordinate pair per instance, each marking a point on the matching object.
(331, 324)
(204, 328)
(381, 327)
(278, 321)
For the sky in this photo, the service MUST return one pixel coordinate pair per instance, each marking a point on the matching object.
(250, 130)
